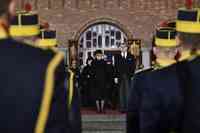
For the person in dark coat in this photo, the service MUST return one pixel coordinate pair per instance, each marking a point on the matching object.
(86, 83)
(32, 93)
(125, 66)
(99, 88)
(110, 82)
(189, 38)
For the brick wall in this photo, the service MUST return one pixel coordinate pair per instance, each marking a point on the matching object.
(136, 17)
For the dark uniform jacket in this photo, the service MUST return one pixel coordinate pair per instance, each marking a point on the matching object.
(74, 108)
(133, 102)
(161, 101)
(192, 97)
(155, 101)
(32, 93)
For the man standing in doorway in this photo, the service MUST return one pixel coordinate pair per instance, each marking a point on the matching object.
(125, 65)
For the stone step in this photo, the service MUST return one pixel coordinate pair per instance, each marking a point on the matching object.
(103, 123)
(103, 118)
(104, 131)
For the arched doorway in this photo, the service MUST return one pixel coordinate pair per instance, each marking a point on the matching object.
(108, 37)
(105, 36)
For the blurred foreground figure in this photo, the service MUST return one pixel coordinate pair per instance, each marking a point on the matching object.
(155, 102)
(189, 37)
(74, 98)
(32, 93)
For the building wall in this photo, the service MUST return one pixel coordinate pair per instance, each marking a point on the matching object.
(136, 17)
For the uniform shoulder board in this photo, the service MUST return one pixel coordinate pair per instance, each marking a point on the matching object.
(50, 50)
(32, 44)
(141, 71)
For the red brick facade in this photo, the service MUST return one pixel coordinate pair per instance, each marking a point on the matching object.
(137, 18)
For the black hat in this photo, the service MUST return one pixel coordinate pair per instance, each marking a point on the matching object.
(171, 24)
(165, 37)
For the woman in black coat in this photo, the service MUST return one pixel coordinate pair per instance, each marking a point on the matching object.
(99, 86)
(86, 83)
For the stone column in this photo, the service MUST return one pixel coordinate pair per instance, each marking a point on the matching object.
(73, 50)
(146, 55)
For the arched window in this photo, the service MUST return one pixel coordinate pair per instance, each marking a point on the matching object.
(102, 36)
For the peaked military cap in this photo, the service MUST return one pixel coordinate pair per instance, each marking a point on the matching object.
(25, 23)
(165, 37)
(188, 20)
(47, 38)
(171, 24)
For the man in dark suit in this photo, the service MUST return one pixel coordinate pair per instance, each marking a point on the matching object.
(110, 85)
(189, 36)
(125, 66)
(32, 97)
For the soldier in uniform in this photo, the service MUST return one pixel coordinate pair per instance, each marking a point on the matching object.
(32, 84)
(162, 96)
(189, 38)
(156, 99)
(74, 99)
(132, 114)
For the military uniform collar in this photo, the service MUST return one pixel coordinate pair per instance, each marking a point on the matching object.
(185, 55)
(143, 70)
(195, 55)
(164, 62)
(3, 31)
